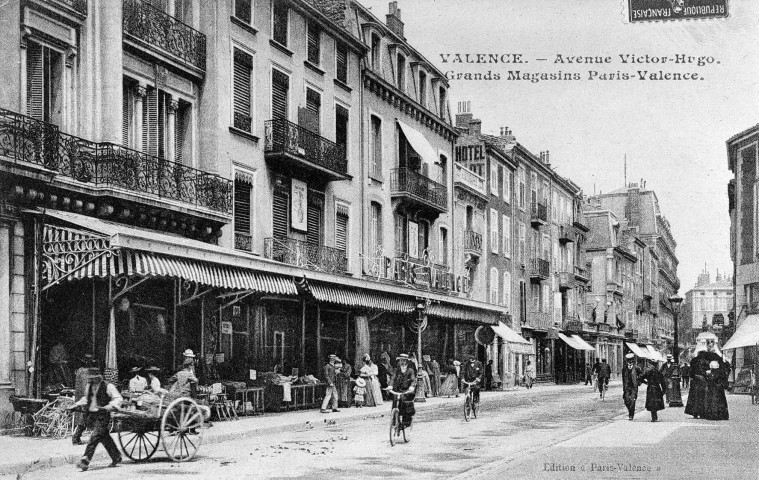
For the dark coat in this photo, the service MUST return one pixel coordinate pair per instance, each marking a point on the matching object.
(655, 390)
(715, 403)
(697, 393)
(630, 383)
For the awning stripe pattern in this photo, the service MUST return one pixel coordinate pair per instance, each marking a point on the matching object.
(461, 314)
(360, 298)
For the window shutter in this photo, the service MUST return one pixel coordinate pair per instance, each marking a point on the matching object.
(179, 133)
(280, 85)
(34, 81)
(506, 236)
(314, 44)
(243, 65)
(341, 58)
(314, 223)
(507, 289)
(242, 207)
(443, 246)
(341, 231)
(162, 113)
(375, 241)
(150, 122)
(377, 147)
(280, 22)
(341, 125)
(313, 106)
(400, 234)
(494, 286)
(493, 230)
(279, 215)
(126, 114)
(242, 10)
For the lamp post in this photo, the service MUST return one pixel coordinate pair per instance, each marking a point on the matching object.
(675, 399)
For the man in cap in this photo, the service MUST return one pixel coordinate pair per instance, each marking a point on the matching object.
(404, 383)
(330, 375)
(630, 381)
(473, 374)
(669, 370)
(99, 400)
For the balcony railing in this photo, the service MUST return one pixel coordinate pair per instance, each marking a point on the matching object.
(566, 234)
(464, 176)
(306, 255)
(79, 6)
(581, 274)
(539, 321)
(407, 181)
(539, 214)
(472, 242)
(243, 241)
(572, 323)
(604, 327)
(566, 280)
(539, 269)
(284, 137)
(24, 139)
(242, 122)
(160, 30)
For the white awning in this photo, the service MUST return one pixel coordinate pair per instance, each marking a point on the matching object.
(517, 343)
(582, 343)
(746, 335)
(637, 350)
(419, 143)
(569, 341)
(654, 354)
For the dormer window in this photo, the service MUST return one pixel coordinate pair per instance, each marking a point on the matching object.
(401, 72)
(376, 45)
(423, 89)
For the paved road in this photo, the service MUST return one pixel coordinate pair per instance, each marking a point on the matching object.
(535, 434)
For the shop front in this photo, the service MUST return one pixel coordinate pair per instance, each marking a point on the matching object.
(571, 358)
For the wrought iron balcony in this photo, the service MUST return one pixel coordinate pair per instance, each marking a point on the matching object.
(539, 321)
(243, 241)
(472, 243)
(77, 6)
(419, 189)
(152, 27)
(306, 255)
(539, 269)
(33, 143)
(462, 176)
(539, 214)
(614, 288)
(566, 281)
(296, 147)
(580, 226)
(242, 122)
(572, 323)
(581, 274)
(566, 234)
(603, 327)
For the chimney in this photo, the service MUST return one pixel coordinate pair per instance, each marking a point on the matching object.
(548, 159)
(475, 126)
(464, 115)
(393, 20)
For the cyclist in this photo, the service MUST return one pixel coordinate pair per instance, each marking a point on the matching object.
(404, 382)
(604, 372)
(473, 374)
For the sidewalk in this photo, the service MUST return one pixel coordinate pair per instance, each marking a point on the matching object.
(25, 454)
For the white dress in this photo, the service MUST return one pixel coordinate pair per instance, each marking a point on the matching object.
(375, 384)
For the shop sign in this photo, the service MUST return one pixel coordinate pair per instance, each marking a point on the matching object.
(418, 273)
(226, 328)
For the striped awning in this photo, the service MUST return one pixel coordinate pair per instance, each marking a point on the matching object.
(462, 314)
(360, 298)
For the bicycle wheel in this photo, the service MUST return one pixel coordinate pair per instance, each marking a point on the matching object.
(406, 434)
(394, 425)
(467, 408)
(475, 408)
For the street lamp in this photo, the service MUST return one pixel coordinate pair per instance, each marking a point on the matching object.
(675, 400)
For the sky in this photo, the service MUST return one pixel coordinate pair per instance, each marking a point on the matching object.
(672, 133)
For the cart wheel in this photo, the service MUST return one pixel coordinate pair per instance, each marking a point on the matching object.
(182, 429)
(139, 445)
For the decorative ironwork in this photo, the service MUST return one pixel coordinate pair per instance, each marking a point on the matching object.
(25, 139)
(242, 122)
(472, 242)
(155, 27)
(566, 281)
(566, 234)
(243, 241)
(306, 255)
(539, 268)
(539, 213)
(464, 176)
(539, 320)
(282, 136)
(79, 6)
(65, 251)
(408, 181)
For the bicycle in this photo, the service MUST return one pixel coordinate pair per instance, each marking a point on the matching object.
(397, 428)
(603, 386)
(470, 406)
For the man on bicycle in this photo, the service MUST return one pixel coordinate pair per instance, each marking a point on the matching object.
(404, 382)
(473, 374)
(604, 373)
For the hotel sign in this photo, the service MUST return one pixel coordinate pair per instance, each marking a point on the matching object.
(418, 273)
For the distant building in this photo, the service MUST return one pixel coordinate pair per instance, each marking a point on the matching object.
(710, 302)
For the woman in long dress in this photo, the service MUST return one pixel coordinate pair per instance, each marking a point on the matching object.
(373, 371)
(370, 399)
(343, 384)
(450, 385)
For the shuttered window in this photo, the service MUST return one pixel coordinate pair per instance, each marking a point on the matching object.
(401, 245)
(314, 44)
(127, 112)
(280, 85)
(376, 170)
(243, 66)
(341, 125)
(314, 217)
(243, 10)
(279, 214)
(506, 236)
(341, 62)
(423, 89)
(242, 207)
(443, 247)
(341, 229)
(442, 101)
(313, 102)
(494, 286)
(375, 230)
(279, 22)
(494, 230)
(44, 87)
(401, 72)
(507, 289)
(150, 122)
(34, 81)
(179, 132)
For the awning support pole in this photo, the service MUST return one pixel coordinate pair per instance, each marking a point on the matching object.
(128, 286)
(303, 337)
(196, 294)
(318, 334)
(238, 296)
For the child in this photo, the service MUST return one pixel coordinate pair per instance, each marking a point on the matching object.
(359, 390)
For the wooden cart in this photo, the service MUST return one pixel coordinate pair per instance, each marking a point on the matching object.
(178, 427)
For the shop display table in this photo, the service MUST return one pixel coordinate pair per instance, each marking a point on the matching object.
(249, 401)
(301, 396)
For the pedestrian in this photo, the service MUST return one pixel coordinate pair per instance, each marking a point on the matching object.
(630, 381)
(529, 374)
(182, 381)
(588, 374)
(489, 375)
(99, 400)
(669, 370)
(715, 405)
(656, 387)
(604, 373)
(343, 381)
(423, 380)
(137, 383)
(434, 371)
(329, 379)
(188, 354)
(404, 382)
(705, 390)
(81, 380)
(358, 392)
(685, 374)
(596, 369)
(155, 383)
(369, 372)
(450, 384)
(383, 374)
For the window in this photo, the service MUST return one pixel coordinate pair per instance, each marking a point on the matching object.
(494, 286)
(243, 10)
(376, 146)
(376, 43)
(494, 179)
(341, 127)
(310, 118)
(242, 220)
(494, 230)
(522, 241)
(508, 177)
(533, 189)
(499, 178)
(535, 295)
(44, 83)
(314, 44)
(243, 67)
(442, 103)
(506, 236)
(280, 213)
(546, 247)
(443, 252)
(507, 289)
(401, 230)
(443, 170)
(375, 230)
(341, 62)
(341, 227)
(280, 90)
(546, 298)
(522, 188)
(280, 21)
(423, 89)
(315, 219)
(401, 72)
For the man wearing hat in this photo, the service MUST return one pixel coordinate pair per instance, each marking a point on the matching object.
(669, 370)
(473, 374)
(99, 400)
(189, 354)
(330, 373)
(404, 382)
(138, 383)
(630, 381)
(81, 380)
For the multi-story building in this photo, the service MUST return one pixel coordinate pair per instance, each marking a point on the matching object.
(710, 302)
(253, 198)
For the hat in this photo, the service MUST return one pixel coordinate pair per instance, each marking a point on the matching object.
(135, 369)
(360, 382)
(188, 361)
(332, 355)
(714, 364)
(669, 356)
(403, 356)
(152, 369)
(189, 353)
(630, 356)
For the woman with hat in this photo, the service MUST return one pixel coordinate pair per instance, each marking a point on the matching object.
(369, 375)
(155, 383)
(451, 382)
(138, 383)
(657, 385)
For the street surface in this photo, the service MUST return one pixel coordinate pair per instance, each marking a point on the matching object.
(556, 434)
